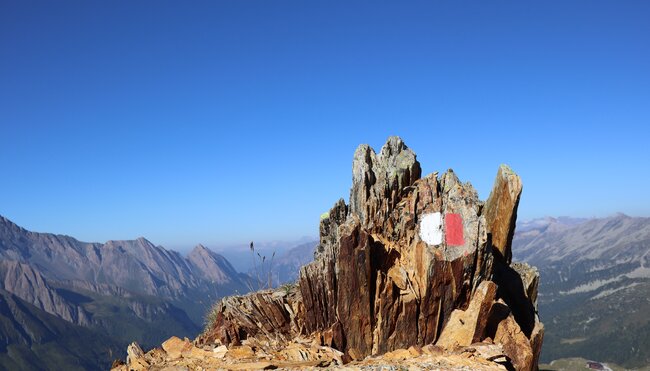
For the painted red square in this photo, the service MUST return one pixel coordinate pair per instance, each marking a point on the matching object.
(454, 230)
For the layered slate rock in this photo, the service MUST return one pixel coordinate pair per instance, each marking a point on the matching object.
(501, 211)
(403, 265)
(265, 315)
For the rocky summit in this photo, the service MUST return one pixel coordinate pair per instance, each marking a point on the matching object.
(414, 271)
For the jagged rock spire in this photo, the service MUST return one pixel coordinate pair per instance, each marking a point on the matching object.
(501, 210)
(377, 180)
(396, 267)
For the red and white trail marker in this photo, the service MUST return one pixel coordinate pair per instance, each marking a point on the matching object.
(431, 228)
(454, 230)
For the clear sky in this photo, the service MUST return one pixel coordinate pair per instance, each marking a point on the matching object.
(228, 121)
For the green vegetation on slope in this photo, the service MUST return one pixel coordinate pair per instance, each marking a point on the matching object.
(34, 339)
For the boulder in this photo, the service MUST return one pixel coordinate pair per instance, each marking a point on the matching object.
(515, 344)
(466, 327)
(175, 347)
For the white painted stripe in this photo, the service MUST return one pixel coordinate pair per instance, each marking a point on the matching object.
(431, 228)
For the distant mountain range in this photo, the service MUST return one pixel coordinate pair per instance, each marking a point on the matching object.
(67, 304)
(594, 294)
(279, 261)
(241, 258)
(288, 264)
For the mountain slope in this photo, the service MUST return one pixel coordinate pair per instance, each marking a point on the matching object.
(213, 267)
(113, 292)
(288, 264)
(34, 339)
(26, 283)
(594, 288)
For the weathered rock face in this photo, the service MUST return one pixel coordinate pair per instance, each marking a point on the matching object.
(265, 315)
(403, 265)
(377, 180)
(469, 326)
(27, 283)
(501, 211)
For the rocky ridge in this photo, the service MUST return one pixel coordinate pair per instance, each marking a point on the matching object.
(410, 264)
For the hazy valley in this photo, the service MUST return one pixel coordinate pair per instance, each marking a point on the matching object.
(594, 293)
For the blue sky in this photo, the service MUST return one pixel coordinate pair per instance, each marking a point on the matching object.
(227, 121)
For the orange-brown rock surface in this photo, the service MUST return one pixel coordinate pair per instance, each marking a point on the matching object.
(501, 210)
(408, 263)
(302, 354)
